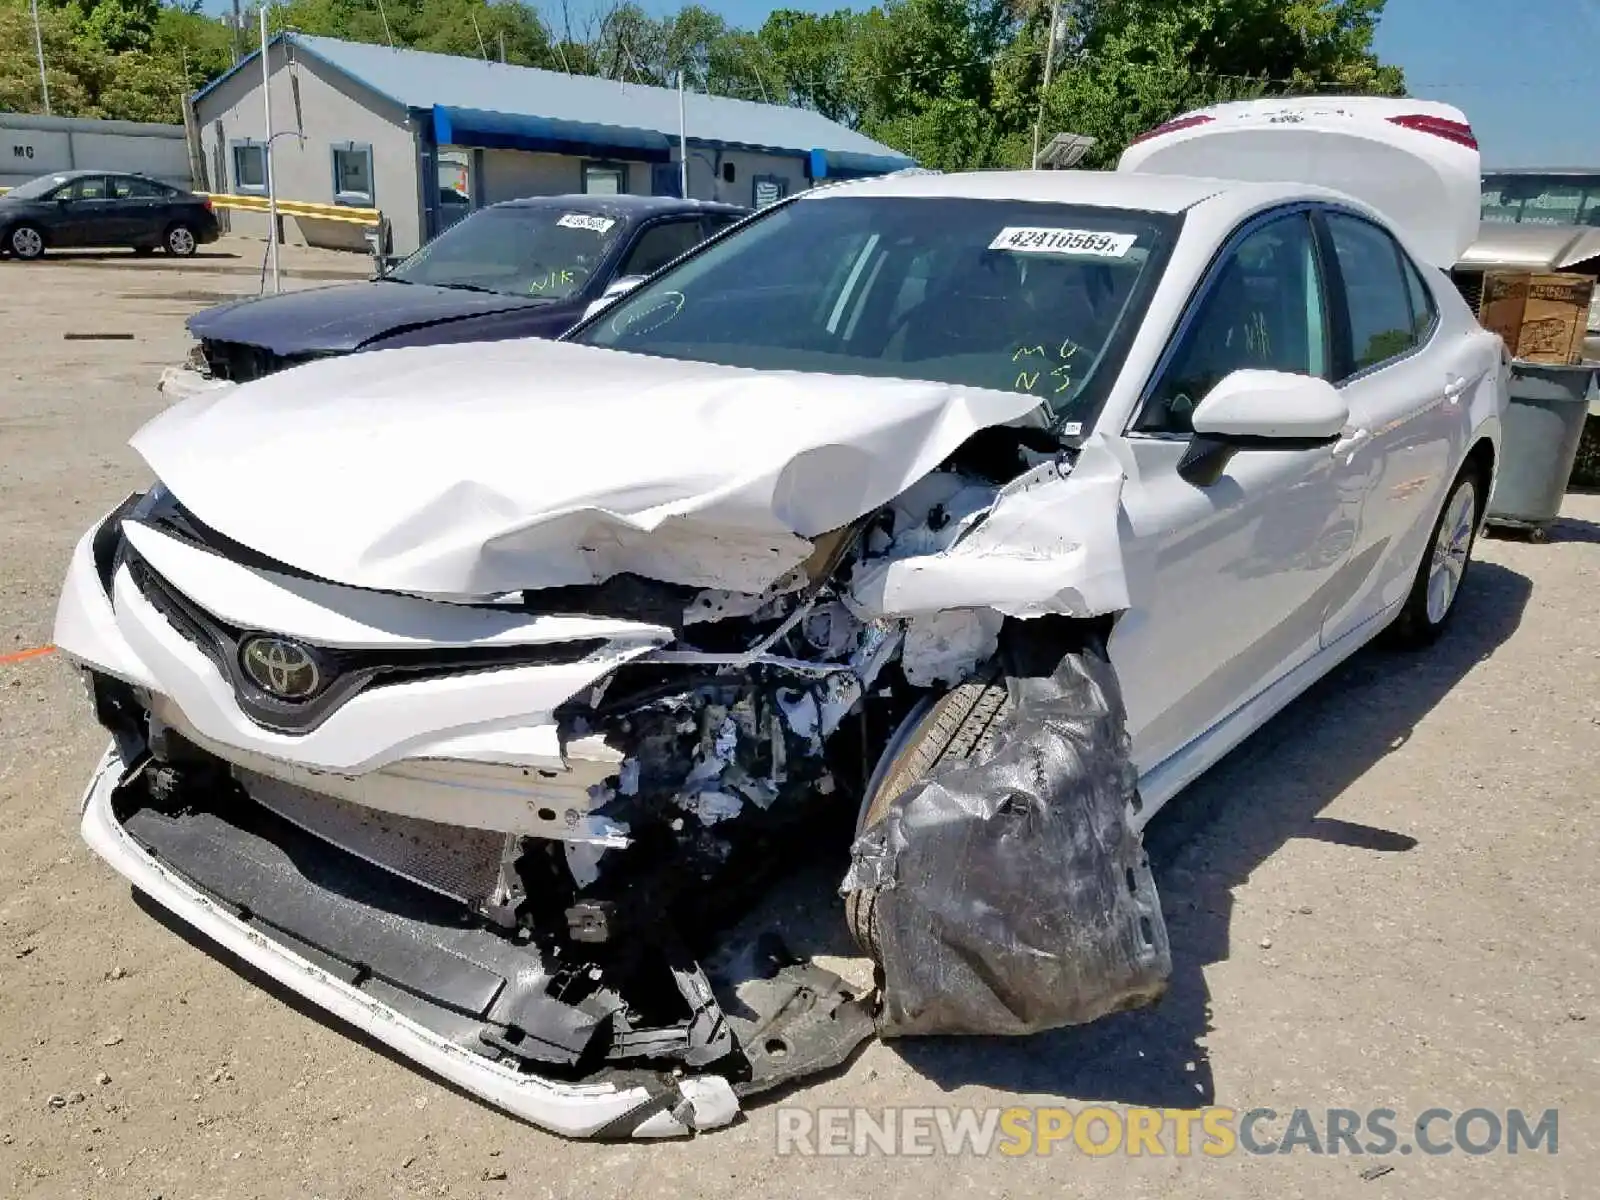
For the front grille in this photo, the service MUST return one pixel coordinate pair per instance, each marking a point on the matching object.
(454, 861)
(240, 362)
(348, 672)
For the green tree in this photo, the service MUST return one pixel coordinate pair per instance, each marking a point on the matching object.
(954, 83)
(1129, 65)
(810, 56)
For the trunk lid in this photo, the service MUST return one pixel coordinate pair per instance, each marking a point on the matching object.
(1415, 161)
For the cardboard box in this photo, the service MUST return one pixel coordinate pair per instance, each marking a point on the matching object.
(1501, 304)
(1542, 318)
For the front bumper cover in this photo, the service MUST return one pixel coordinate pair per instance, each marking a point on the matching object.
(679, 1107)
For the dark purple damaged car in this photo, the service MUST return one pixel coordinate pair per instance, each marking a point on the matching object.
(522, 268)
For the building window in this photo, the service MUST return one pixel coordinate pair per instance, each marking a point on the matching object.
(767, 189)
(249, 167)
(605, 178)
(352, 174)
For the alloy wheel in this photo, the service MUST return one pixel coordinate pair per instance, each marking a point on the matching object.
(26, 242)
(1450, 551)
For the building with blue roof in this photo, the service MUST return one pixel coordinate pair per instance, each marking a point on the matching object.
(429, 137)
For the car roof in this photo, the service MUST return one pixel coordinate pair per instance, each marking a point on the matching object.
(80, 172)
(623, 205)
(1095, 189)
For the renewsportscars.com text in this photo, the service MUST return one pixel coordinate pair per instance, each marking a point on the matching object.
(1214, 1132)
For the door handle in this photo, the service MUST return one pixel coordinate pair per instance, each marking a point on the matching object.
(1455, 389)
(1351, 442)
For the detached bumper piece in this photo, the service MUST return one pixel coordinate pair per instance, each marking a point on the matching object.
(628, 1038)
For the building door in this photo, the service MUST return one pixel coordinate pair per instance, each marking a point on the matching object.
(457, 185)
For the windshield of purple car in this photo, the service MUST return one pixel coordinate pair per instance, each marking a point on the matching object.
(536, 251)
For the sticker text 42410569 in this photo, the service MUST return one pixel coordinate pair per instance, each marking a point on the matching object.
(1025, 239)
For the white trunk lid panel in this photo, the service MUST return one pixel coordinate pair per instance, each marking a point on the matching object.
(1415, 161)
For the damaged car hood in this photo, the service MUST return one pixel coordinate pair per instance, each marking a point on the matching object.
(480, 469)
(344, 317)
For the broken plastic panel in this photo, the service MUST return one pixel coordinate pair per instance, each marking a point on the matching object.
(1012, 895)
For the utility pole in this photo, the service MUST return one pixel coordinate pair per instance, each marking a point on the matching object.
(266, 154)
(1044, 90)
(236, 32)
(683, 141)
(38, 48)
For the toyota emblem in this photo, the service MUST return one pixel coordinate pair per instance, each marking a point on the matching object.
(281, 668)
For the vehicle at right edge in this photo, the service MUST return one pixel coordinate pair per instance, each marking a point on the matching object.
(942, 527)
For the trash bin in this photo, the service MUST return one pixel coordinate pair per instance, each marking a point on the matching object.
(1539, 443)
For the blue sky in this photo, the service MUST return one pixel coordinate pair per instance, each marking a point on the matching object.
(1522, 70)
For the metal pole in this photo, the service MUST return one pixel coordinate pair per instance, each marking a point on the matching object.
(1044, 90)
(38, 48)
(683, 141)
(266, 154)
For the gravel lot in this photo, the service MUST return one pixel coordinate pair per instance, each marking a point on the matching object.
(1382, 900)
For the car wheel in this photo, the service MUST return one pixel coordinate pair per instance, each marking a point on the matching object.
(144, 251)
(1443, 569)
(181, 241)
(25, 241)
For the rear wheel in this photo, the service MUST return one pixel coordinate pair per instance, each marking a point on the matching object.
(181, 242)
(25, 241)
(1443, 569)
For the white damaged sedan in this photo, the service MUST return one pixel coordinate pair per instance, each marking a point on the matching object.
(940, 527)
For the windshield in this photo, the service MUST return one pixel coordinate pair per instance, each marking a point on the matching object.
(36, 188)
(542, 251)
(1026, 297)
(1541, 199)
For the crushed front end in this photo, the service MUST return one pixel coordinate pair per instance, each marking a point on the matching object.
(514, 839)
(525, 838)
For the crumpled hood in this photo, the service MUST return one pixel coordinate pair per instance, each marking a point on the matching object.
(343, 317)
(479, 469)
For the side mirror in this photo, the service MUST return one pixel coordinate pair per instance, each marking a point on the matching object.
(615, 290)
(1261, 410)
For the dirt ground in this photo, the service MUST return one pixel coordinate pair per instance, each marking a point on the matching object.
(1383, 900)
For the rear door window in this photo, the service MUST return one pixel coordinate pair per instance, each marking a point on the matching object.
(126, 187)
(1377, 294)
(1424, 312)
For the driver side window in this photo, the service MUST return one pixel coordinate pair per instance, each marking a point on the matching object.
(1262, 309)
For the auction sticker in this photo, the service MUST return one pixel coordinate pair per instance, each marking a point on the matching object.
(584, 221)
(1026, 239)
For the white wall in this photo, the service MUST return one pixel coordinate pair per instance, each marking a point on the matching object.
(708, 184)
(31, 146)
(510, 174)
(332, 111)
